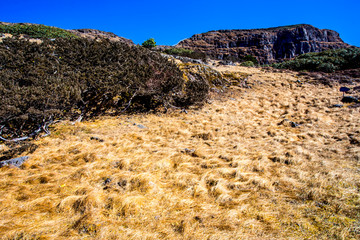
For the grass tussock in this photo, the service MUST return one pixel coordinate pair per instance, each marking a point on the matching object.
(231, 170)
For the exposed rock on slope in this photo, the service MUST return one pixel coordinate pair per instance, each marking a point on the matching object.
(267, 45)
(93, 33)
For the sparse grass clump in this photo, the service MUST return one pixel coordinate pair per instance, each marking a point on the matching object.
(327, 61)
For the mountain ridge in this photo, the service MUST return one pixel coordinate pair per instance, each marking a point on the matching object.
(84, 33)
(270, 28)
(267, 45)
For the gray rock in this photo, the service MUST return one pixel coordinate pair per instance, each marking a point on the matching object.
(141, 126)
(17, 162)
(107, 180)
(186, 150)
(227, 62)
(288, 123)
(294, 124)
(337, 106)
(349, 99)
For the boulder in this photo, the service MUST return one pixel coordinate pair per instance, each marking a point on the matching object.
(349, 99)
(17, 162)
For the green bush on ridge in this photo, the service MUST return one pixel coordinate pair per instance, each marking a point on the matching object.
(150, 43)
(327, 61)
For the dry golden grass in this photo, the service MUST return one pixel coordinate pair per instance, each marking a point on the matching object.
(234, 169)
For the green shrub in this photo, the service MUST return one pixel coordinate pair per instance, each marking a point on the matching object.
(68, 77)
(186, 53)
(150, 43)
(327, 61)
(36, 31)
(179, 51)
(247, 64)
(250, 58)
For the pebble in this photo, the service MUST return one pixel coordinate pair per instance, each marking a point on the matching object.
(186, 150)
(108, 180)
(337, 106)
(141, 126)
(294, 124)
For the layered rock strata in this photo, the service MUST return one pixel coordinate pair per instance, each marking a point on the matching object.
(267, 45)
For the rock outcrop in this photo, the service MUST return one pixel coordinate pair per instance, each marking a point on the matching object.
(267, 45)
(93, 33)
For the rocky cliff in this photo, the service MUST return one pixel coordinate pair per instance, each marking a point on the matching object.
(267, 45)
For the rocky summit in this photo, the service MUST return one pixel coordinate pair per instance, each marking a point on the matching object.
(267, 45)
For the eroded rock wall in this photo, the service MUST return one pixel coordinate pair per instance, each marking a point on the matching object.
(267, 45)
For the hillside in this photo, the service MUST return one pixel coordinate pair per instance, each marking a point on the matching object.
(267, 45)
(93, 33)
(273, 159)
(78, 77)
(31, 30)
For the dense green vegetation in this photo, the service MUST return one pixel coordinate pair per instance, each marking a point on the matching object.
(247, 64)
(36, 31)
(186, 53)
(327, 61)
(67, 78)
(150, 43)
(249, 61)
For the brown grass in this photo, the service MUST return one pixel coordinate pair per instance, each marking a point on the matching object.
(234, 169)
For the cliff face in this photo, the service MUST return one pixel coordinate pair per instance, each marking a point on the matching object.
(267, 45)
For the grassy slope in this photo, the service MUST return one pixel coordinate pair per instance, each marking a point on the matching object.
(228, 188)
(35, 31)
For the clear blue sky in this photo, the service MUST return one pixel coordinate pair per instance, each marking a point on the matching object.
(171, 21)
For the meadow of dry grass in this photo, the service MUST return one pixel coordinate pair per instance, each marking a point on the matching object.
(237, 168)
